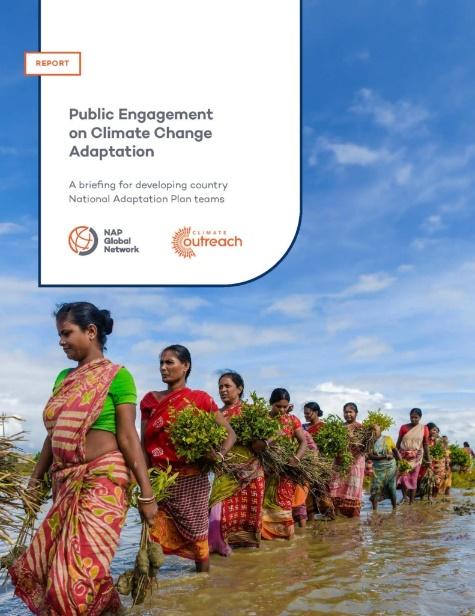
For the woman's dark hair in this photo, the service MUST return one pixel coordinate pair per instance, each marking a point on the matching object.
(431, 425)
(315, 407)
(84, 314)
(236, 378)
(466, 444)
(182, 353)
(416, 411)
(279, 394)
(351, 405)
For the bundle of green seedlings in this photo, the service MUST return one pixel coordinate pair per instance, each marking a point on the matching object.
(254, 423)
(366, 435)
(313, 470)
(459, 458)
(195, 433)
(428, 483)
(333, 442)
(149, 559)
(437, 450)
(403, 467)
(19, 505)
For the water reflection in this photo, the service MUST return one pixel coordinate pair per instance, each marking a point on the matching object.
(416, 562)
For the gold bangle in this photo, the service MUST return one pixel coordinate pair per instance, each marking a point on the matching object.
(220, 453)
(146, 499)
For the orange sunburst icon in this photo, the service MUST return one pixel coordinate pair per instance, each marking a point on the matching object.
(179, 244)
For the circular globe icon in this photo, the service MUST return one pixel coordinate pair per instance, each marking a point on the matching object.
(83, 240)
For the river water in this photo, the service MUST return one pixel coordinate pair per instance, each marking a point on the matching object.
(419, 561)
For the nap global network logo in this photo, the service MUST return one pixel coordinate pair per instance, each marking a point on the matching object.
(187, 242)
(83, 240)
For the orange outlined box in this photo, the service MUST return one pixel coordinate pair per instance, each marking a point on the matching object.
(52, 63)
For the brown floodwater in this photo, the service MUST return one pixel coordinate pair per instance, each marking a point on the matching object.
(417, 562)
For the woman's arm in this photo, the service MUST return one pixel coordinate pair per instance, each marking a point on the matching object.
(129, 445)
(396, 453)
(44, 462)
(300, 436)
(230, 438)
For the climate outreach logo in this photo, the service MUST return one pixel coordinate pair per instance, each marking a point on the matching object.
(83, 240)
(186, 239)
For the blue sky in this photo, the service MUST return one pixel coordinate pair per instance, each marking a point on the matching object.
(375, 301)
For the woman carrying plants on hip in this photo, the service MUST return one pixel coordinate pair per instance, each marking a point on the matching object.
(346, 490)
(181, 526)
(277, 520)
(413, 445)
(384, 458)
(236, 500)
(91, 445)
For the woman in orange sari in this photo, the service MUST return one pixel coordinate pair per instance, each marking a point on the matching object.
(181, 526)
(91, 444)
(413, 445)
(236, 501)
(277, 519)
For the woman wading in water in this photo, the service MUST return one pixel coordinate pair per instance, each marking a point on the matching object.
(91, 445)
(413, 445)
(181, 525)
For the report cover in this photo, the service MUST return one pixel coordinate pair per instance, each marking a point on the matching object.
(286, 190)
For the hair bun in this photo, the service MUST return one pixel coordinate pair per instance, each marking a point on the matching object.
(108, 321)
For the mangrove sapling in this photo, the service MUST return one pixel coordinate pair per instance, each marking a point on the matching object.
(195, 433)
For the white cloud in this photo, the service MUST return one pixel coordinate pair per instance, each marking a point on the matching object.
(405, 267)
(352, 153)
(369, 283)
(433, 223)
(403, 174)
(400, 116)
(297, 305)
(9, 228)
(332, 396)
(367, 347)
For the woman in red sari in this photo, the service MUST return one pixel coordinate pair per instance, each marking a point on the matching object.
(312, 413)
(181, 526)
(438, 466)
(277, 519)
(91, 445)
(346, 490)
(236, 502)
(413, 445)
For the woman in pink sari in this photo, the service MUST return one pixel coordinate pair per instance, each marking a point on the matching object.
(91, 445)
(413, 445)
(346, 490)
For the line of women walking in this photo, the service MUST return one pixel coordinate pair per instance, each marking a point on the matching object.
(92, 449)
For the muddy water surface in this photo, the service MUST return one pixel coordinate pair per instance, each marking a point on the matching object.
(417, 562)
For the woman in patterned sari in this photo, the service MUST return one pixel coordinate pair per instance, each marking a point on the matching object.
(413, 445)
(346, 489)
(384, 458)
(438, 465)
(91, 445)
(181, 526)
(279, 498)
(236, 502)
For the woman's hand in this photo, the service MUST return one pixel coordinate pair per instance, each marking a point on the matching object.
(294, 461)
(149, 512)
(214, 456)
